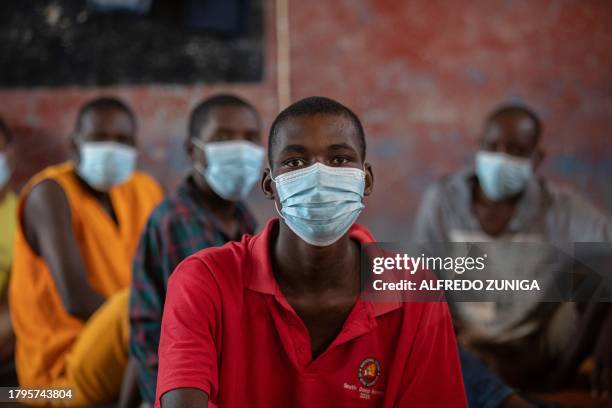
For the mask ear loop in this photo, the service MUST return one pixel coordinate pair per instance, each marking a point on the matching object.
(197, 166)
(278, 211)
(200, 169)
(199, 144)
(271, 176)
(275, 205)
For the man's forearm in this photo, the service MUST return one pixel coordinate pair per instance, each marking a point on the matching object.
(7, 337)
(185, 398)
(590, 318)
(82, 302)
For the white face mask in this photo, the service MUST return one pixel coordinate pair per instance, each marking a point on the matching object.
(319, 203)
(232, 167)
(501, 175)
(5, 171)
(104, 165)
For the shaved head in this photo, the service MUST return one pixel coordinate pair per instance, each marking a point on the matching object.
(513, 129)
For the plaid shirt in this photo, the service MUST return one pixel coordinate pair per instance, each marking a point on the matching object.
(180, 226)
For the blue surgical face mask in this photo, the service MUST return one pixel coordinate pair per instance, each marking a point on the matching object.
(501, 175)
(320, 203)
(104, 165)
(232, 167)
(5, 171)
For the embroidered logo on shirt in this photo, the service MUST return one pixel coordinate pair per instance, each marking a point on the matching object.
(369, 371)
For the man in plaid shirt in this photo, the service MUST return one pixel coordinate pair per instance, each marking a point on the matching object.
(205, 211)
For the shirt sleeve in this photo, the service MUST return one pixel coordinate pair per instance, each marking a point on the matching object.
(433, 374)
(146, 303)
(428, 225)
(188, 352)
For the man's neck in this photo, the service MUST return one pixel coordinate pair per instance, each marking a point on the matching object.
(101, 196)
(300, 267)
(223, 209)
(480, 198)
(494, 216)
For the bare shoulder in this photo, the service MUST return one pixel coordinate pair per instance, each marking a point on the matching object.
(45, 199)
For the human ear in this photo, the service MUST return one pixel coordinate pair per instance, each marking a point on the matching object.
(266, 184)
(538, 158)
(194, 153)
(369, 179)
(73, 142)
(188, 146)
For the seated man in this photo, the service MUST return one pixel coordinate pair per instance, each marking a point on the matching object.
(8, 211)
(206, 211)
(502, 200)
(78, 228)
(277, 320)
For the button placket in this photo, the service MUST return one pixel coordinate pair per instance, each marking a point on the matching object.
(300, 338)
(303, 350)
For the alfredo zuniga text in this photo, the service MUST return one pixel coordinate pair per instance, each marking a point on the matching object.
(457, 285)
(422, 276)
(500, 271)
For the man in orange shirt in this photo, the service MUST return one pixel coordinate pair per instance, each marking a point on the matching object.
(79, 225)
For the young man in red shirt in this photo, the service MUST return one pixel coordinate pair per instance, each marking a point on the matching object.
(276, 320)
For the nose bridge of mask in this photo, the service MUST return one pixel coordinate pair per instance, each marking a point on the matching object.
(319, 185)
(318, 197)
(320, 174)
(233, 154)
(110, 153)
(109, 146)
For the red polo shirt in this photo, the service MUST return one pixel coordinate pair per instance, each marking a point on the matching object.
(229, 331)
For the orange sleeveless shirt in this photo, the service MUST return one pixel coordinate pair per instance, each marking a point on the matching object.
(44, 330)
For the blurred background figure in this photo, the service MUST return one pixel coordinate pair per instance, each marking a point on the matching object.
(502, 198)
(224, 148)
(79, 227)
(8, 211)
